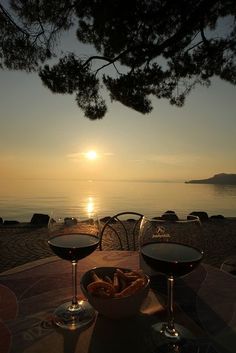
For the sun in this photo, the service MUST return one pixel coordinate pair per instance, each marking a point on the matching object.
(91, 155)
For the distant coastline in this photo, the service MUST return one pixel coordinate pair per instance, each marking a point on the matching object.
(222, 179)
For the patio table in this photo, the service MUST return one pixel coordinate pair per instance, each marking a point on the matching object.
(205, 302)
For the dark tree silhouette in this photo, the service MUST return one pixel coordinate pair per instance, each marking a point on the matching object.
(160, 48)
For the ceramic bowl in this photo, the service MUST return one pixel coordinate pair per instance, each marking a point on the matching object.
(114, 308)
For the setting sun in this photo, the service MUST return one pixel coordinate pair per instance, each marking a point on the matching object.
(91, 155)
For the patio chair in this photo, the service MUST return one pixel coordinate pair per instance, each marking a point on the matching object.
(121, 231)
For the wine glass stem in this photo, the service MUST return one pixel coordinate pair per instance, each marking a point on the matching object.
(74, 283)
(170, 303)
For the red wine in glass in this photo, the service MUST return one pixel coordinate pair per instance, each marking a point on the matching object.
(73, 247)
(171, 258)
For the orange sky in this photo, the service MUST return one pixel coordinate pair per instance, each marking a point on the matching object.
(46, 136)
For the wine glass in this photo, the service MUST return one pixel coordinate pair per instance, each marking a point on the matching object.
(169, 248)
(72, 239)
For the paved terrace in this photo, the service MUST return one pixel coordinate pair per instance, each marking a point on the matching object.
(23, 243)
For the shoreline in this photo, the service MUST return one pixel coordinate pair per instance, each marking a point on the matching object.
(22, 243)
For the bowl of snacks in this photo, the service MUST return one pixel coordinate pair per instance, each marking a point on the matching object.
(115, 292)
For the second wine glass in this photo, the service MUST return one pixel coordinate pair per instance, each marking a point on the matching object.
(168, 249)
(72, 239)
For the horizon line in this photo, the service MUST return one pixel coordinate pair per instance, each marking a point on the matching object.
(108, 180)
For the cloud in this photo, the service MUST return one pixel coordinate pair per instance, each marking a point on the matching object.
(79, 156)
(76, 156)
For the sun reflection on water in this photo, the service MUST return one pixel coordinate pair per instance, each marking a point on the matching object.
(90, 206)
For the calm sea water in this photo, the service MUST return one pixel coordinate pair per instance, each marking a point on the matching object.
(20, 199)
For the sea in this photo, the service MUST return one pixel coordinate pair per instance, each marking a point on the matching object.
(20, 199)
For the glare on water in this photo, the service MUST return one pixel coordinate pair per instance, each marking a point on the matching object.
(20, 199)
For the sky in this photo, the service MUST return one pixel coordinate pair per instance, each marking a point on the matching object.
(46, 136)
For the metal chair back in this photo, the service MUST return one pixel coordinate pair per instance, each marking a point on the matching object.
(121, 231)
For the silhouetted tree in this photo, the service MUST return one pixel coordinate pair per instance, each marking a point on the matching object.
(160, 48)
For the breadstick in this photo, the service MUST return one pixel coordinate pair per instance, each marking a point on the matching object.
(128, 276)
(101, 288)
(95, 277)
(108, 279)
(132, 288)
(122, 284)
(116, 283)
(122, 274)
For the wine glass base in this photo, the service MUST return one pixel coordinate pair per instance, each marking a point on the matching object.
(180, 332)
(183, 341)
(74, 318)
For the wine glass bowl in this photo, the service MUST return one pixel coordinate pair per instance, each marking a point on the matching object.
(166, 247)
(72, 239)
